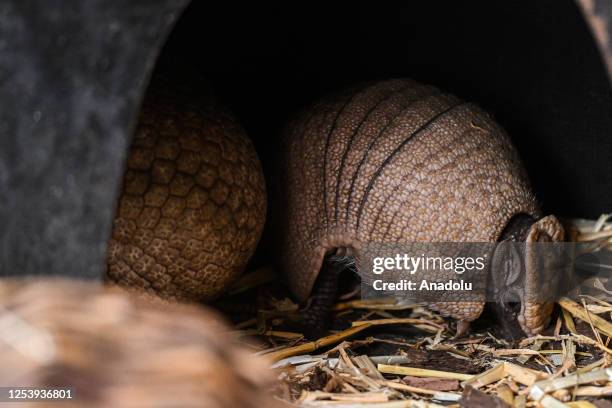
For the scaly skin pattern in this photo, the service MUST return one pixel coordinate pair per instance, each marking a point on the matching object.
(193, 202)
(396, 162)
(119, 349)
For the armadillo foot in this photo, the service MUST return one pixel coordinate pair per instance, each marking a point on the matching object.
(316, 315)
(463, 327)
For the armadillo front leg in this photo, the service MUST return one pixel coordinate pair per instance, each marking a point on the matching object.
(463, 327)
(316, 315)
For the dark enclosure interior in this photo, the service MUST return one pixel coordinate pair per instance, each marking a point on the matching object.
(532, 64)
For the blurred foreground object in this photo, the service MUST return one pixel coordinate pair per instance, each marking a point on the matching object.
(118, 349)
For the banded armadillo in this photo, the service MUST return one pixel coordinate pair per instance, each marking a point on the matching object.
(193, 203)
(397, 161)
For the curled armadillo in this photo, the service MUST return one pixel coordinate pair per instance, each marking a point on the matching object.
(193, 202)
(397, 161)
(120, 350)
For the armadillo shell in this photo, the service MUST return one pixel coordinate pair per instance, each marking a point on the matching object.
(193, 202)
(395, 162)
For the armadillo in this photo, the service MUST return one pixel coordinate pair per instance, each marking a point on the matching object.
(193, 202)
(397, 161)
(119, 349)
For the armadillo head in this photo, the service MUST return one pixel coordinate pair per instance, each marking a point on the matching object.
(524, 267)
(534, 315)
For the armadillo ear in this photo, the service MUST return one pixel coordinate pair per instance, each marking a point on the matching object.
(536, 306)
(547, 229)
